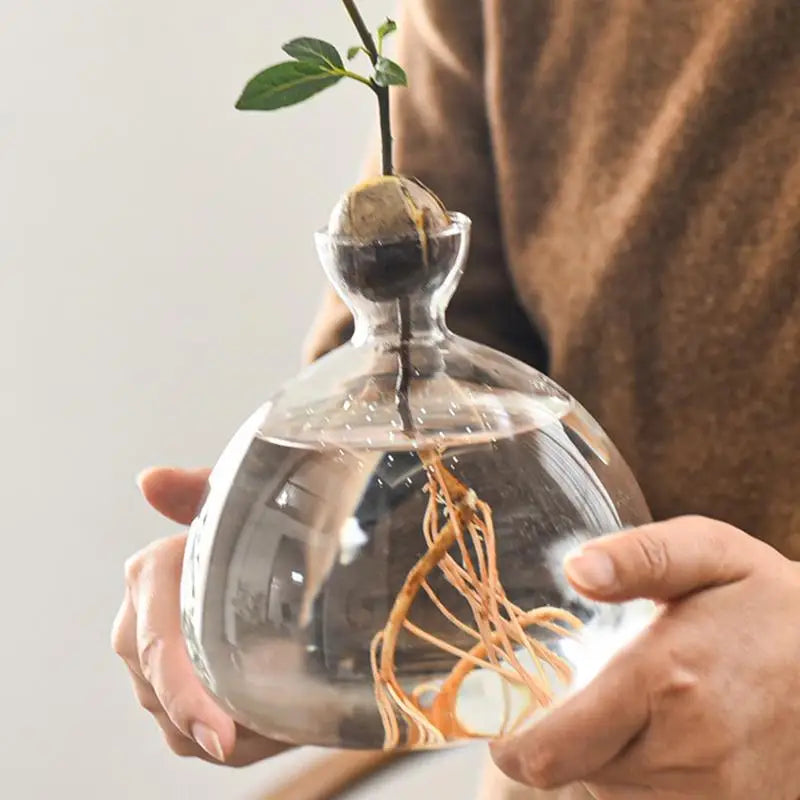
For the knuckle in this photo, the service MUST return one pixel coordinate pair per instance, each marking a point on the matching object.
(122, 640)
(118, 640)
(672, 677)
(729, 554)
(696, 520)
(178, 706)
(133, 568)
(149, 655)
(710, 530)
(716, 535)
(149, 702)
(671, 693)
(175, 697)
(654, 554)
(140, 563)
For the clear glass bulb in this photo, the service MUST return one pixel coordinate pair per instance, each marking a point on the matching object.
(378, 559)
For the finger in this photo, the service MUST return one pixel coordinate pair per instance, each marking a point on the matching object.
(145, 695)
(163, 658)
(124, 642)
(250, 748)
(179, 743)
(123, 634)
(583, 734)
(175, 493)
(663, 561)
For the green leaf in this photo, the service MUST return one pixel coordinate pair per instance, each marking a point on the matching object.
(353, 51)
(389, 73)
(314, 51)
(285, 84)
(390, 26)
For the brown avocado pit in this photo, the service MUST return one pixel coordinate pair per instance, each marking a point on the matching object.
(384, 235)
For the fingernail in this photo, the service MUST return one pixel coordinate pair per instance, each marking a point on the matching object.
(208, 740)
(141, 475)
(591, 568)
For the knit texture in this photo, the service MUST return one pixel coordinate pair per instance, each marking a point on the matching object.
(632, 170)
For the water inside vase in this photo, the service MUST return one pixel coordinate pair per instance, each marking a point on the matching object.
(313, 543)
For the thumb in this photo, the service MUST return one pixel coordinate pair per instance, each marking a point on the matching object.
(175, 493)
(662, 561)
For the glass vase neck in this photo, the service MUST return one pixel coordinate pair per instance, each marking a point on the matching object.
(415, 318)
(398, 289)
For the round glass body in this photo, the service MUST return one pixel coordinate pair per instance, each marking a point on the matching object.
(378, 559)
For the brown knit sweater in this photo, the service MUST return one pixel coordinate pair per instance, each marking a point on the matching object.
(632, 170)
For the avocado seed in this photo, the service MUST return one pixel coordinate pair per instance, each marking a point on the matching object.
(384, 236)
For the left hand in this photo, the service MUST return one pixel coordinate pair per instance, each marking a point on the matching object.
(706, 702)
(147, 636)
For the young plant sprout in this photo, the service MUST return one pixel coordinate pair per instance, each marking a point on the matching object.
(457, 528)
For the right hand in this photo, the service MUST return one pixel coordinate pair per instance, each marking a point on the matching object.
(147, 636)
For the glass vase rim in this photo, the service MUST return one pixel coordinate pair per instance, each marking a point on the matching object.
(460, 224)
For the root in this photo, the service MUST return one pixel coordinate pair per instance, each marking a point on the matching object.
(500, 627)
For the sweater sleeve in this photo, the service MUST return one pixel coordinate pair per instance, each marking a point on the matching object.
(442, 138)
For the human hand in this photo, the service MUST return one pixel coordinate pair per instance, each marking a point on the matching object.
(147, 635)
(706, 702)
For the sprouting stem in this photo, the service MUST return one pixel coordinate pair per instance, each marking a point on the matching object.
(346, 73)
(382, 92)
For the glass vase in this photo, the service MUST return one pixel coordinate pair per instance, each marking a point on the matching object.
(378, 559)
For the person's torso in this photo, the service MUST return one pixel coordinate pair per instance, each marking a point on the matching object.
(648, 167)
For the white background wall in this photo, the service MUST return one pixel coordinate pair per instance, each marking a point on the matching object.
(157, 276)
